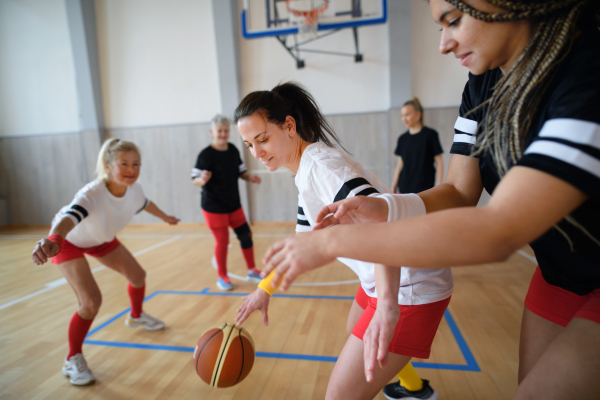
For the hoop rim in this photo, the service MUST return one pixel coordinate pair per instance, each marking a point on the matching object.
(310, 14)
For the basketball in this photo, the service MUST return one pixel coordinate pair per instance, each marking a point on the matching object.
(224, 355)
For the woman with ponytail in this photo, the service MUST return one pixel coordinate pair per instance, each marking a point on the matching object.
(284, 127)
(418, 150)
(88, 226)
(529, 133)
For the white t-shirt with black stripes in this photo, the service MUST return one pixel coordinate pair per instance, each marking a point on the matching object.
(98, 215)
(326, 175)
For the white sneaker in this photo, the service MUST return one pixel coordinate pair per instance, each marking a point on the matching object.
(151, 323)
(76, 368)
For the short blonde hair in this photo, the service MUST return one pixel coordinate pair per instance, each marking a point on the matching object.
(108, 154)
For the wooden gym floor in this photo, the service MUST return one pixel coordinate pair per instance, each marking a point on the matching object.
(474, 355)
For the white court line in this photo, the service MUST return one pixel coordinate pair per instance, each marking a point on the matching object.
(183, 235)
(63, 281)
(245, 279)
(527, 256)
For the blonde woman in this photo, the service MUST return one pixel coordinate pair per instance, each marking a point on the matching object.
(88, 226)
(529, 133)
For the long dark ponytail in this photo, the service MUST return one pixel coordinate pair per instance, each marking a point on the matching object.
(291, 99)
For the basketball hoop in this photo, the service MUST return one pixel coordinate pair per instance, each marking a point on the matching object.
(308, 12)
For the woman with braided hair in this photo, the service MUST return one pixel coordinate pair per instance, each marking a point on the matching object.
(529, 133)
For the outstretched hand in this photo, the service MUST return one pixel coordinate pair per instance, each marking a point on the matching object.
(378, 336)
(296, 255)
(171, 220)
(257, 300)
(355, 210)
(43, 250)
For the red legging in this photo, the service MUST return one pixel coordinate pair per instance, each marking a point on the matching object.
(219, 225)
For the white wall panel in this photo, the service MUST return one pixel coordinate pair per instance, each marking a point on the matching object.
(437, 80)
(37, 78)
(157, 61)
(339, 85)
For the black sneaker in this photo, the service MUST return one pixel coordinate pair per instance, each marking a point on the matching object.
(394, 391)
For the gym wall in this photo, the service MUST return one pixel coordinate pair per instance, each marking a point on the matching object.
(159, 76)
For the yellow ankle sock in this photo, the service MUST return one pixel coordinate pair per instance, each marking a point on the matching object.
(409, 378)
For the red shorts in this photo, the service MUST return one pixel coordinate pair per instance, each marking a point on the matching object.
(559, 305)
(70, 252)
(415, 329)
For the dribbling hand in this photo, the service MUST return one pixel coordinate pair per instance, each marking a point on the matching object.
(43, 250)
(296, 255)
(257, 300)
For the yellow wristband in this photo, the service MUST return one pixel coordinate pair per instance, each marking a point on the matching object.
(265, 284)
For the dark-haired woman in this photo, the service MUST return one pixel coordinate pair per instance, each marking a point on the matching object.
(285, 128)
(528, 131)
(420, 164)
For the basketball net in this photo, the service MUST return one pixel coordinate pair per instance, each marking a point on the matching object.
(307, 12)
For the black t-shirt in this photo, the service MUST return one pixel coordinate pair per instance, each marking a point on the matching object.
(563, 141)
(220, 194)
(417, 152)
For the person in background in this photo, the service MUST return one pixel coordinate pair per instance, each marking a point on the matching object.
(418, 149)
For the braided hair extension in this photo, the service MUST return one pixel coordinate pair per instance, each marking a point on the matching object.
(517, 94)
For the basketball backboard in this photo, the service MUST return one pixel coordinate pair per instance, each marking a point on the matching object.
(264, 18)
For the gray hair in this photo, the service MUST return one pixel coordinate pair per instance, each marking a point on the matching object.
(219, 120)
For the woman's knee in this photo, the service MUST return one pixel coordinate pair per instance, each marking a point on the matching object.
(90, 305)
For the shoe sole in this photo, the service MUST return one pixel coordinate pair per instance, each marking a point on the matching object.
(145, 326)
(433, 397)
(66, 373)
(224, 288)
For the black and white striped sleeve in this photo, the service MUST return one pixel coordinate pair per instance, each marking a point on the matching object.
(358, 186)
(80, 208)
(302, 225)
(570, 150)
(76, 213)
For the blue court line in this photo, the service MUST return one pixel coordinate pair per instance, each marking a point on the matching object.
(471, 363)
(207, 292)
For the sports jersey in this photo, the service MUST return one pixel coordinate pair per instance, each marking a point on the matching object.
(417, 152)
(563, 141)
(98, 215)
(326, 175)
(220, 195)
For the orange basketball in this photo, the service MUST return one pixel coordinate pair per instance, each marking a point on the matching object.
(224, 355)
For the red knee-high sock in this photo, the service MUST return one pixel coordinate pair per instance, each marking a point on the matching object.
(136, 296)
(249, 257)
(222, 241)
(78, 328)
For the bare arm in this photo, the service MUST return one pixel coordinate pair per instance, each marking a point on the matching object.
(46, 248)
(397, 175)
(250, 178)
(157, 212)
(518, 213)
(202, 179)
(439, 169)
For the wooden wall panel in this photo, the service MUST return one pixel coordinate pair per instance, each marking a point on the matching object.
(43, 173)
(40, 174)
